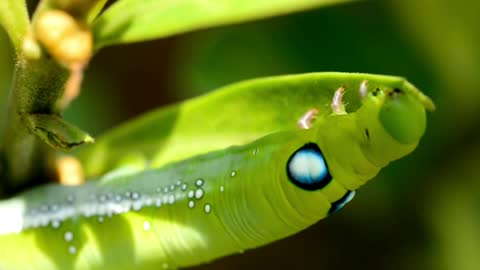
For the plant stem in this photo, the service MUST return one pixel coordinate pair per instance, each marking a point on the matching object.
(34, 128)
(36, 88)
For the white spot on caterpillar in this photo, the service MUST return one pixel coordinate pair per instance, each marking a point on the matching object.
(54, 208)
(135, 196)
(148, 202)
(68, 236)
(233, 173)
(222, 188)
(199, 194)
(171, 199)
(117, 209)
(191, 204)
(44, 222)
(128, 194)
(159, 190)
(146, 225)
(70, 198)
(72, 249)
(158, 203)
(199, 182)
(118, 198)
(179, 183)
(101, 209)
(137, 206)
(165, 189)
(172, 187)
(190, 194)
(55, 224)
(184, 187)
(207, 208)
(100, 219)
(102, 198)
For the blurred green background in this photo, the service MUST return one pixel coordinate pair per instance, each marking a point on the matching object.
(421, 212)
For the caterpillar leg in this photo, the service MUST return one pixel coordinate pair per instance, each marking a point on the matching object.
(337, 104)
(305, 122)
(69, 171)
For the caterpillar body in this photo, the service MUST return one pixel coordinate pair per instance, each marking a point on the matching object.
(225, 201)
(234, 114)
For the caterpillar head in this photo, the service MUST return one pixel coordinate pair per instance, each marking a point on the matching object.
(346, 149)
(393, 116)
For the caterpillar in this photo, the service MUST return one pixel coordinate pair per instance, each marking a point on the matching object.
(234, 114)
(222, 201)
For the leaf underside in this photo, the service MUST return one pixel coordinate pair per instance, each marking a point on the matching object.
(131, 20)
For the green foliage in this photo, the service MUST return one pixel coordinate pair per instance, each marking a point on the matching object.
(132, 20)
(54, 131)
(50, 56)
(14, 19)
(419, 216)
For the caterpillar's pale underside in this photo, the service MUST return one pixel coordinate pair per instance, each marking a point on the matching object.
(256, 184)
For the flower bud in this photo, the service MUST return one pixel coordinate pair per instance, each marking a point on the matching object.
(67, 40)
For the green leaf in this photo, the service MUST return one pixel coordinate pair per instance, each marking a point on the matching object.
(56, 132)
(83, 10)
(14, 19)
(131, 20)
(95, 10)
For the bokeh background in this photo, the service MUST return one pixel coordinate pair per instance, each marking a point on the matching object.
(422, 212)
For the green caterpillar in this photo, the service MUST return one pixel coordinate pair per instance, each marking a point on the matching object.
(209, 205)
(234, 114)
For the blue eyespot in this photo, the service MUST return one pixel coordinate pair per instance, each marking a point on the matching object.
(337, 205)
(307, 168)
